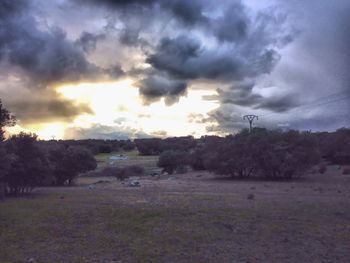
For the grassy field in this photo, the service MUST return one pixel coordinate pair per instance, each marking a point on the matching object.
(149, 163)
(182, 218)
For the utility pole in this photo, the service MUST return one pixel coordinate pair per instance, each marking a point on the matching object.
(250, 118)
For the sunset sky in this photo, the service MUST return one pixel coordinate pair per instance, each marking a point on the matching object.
(117, 69)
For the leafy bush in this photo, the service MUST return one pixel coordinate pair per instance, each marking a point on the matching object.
(134, 170)
(346, 171)
(123, 173)
(262, 153)
(29, 165)
(336, 146)
(172, 160)
(105, 148)
(155, 146)
(68, 163)
(322, 168)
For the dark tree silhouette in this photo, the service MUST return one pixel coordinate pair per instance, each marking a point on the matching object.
(172, 160)
(29, 165)
(68, 163)
(6, 120)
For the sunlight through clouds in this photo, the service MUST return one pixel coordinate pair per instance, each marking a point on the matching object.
(118, 104)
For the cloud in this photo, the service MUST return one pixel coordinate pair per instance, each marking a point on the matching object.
(224, 120)
(154, 87)
(98, 131)
(118, 3)
(44, 56)
(261, 61)
(184, 57)
(197, 40)
(88, 41)
(46, 106)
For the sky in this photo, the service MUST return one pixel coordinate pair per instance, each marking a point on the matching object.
(119, 69)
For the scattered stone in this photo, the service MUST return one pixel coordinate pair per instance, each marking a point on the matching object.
(134, 184)
(251, 197)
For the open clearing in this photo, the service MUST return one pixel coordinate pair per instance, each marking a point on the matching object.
(132, 158)
(182, 218)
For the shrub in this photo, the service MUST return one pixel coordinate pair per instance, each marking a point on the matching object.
(105, 148)
(123, 173)
(68, 163)
(133, 170)
(263, 153)
(322, 168)
(346, 171)
(117, 172)
(29, 165)
(171, 160)
(181, 169)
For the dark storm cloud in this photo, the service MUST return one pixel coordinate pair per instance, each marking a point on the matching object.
(118, 3)
(88, 41)
(11, 7)
(233, 25)
(188, 12)
(277, 104)
(155, 86)
(44, 56)
(184, 57)
(46, 106)
(115, 71)
(225, 119)
(242, 94)
(245, 45)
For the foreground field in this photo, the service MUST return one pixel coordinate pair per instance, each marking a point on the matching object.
(182, 218)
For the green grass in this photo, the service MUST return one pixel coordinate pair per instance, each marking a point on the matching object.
(149, 163)
(81, 227)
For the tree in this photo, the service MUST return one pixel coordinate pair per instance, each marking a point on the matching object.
(262, 153)
(68, 163)
(29, 164)
(172, 160)
(6, 120)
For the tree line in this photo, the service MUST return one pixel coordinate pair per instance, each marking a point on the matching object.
(26, 162)
(261, 153)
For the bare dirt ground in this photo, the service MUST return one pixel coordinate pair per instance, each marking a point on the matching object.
(182, 218)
